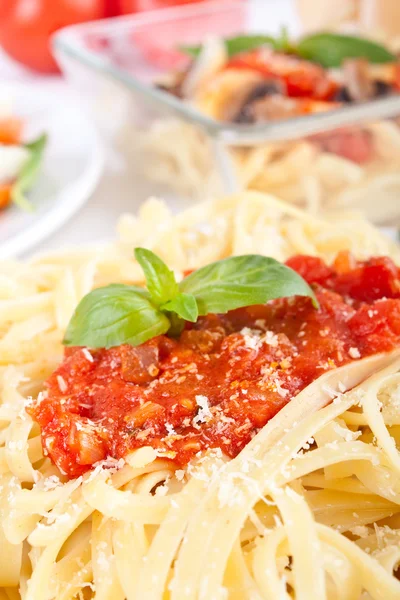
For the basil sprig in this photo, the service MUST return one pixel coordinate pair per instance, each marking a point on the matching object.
(126, 314)
(237, 44)
(327, 49)
(160, 280)
(29, 172)
(331, 49)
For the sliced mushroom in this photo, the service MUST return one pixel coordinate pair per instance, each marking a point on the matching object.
(382, 88)
(343, 95)
(224, 94)
(269, 89)
(358, 82)
(269, 108)
(173, 83)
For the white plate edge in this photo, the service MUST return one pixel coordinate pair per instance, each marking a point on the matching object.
(78, 193)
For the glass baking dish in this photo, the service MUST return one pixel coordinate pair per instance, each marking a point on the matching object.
(113, 64)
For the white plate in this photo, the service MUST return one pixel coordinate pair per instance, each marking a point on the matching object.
(72, 165)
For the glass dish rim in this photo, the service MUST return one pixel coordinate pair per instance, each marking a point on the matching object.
(66, 42)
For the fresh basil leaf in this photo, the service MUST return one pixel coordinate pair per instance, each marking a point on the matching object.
(243, 281)
(177, 325)
(245, 43)
(184, 305)
(331, 49)
(160, 280)
(115, 315)
(29, 172)
(282, 42)
(133, 288)
(240, 43)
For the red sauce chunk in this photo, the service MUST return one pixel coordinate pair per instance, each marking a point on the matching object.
(225, 376)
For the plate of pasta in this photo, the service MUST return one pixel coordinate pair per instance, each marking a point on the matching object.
(207, 408)
(51, 160)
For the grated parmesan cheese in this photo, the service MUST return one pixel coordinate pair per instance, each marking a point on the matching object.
(251, 338)
(179, 474)
(170, 429)
(87, 355)
(110, 464)
(204, 413)
(61, 384)
(354, 352)
(271, 339)
(51, 483)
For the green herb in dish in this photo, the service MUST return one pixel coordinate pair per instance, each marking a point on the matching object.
(29, 173)
(327, 49)
(331, 49)
(122, 314)
(235, 45)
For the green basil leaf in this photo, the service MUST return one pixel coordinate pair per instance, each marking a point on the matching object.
(245, 43)
(240, 43)
(177, 325)
(29, 173)
(331, 49)
(282, 42)
(243, 281)
(184, 305)
(115, 315)
(160, 280)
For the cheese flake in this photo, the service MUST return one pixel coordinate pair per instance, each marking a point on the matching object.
(204, 413)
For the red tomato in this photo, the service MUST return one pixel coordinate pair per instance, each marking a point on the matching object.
(113, 8)
(301, 78)
(25, 27)
(129, 6)
(311, 268)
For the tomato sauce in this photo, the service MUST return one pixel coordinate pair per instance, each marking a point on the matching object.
(301, 78)
(225, 376)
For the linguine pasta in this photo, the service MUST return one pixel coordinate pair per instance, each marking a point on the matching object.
(309, 509)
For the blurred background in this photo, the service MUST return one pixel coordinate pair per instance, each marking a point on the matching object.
(98, 73)
(26, 26)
